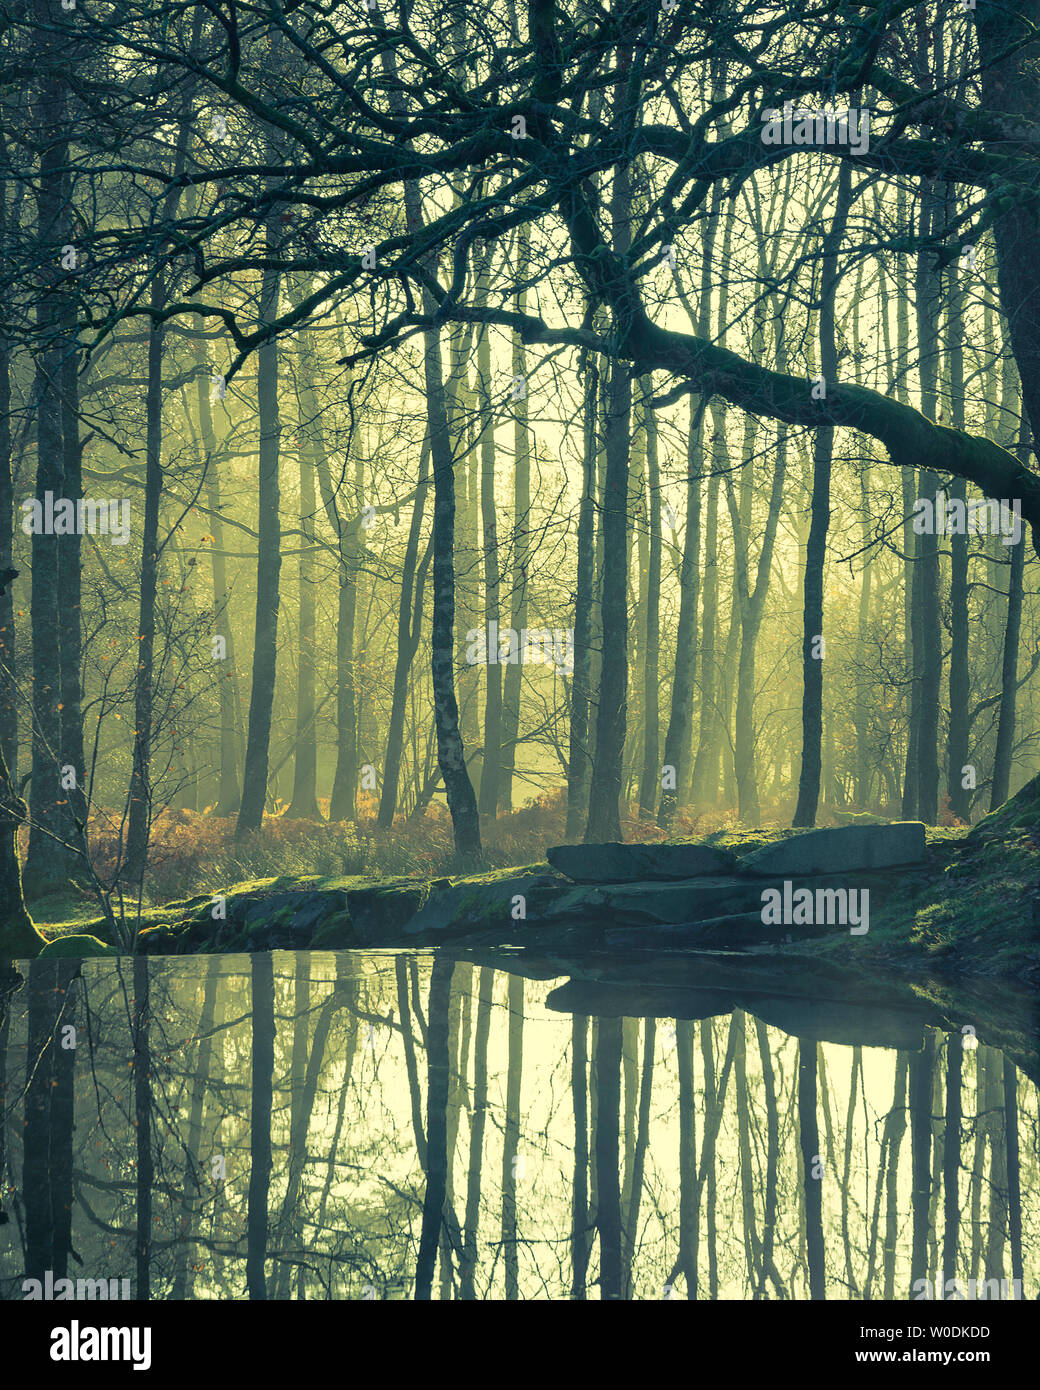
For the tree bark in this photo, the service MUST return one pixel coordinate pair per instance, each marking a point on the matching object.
(409, 625)
(522, 448)
(651, 772)
(49, 860)
(268, 561)
(491, 771)
(816, 549)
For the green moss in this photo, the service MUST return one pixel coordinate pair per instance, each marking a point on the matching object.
(77, 945)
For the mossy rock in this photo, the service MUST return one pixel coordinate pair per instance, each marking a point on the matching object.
(336, 933)
(78, 946)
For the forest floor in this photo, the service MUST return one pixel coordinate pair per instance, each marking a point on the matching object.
(973, 905)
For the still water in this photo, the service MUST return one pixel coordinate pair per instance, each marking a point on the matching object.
(378, 1125)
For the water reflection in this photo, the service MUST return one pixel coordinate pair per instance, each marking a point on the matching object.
(377, 1125)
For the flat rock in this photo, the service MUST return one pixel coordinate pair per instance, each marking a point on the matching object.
(488, 907)
(629, 904)
(461, 908)
(841, 849)
(618, 863)
(379, 913)
(732, 933)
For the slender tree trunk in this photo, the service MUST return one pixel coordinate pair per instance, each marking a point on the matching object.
(752, 606)
(1004, 752)
(228, 797)
(409, 624)
(48, 862)
(579, 763)
(704, 776)
(268, 561)
(651, 772)
(141, 788)
(18, 936)
(70, 612)
(958, 736)
(462, 802)
(928, 579)
(704, 784)
(140, 815)
(522, 441)
(491, 770)
(863, 684)
(1009, 50)
(816, 549)
(304, 803)
(604, 821)
(677, 737)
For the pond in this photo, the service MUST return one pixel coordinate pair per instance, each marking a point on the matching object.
(381, 1125)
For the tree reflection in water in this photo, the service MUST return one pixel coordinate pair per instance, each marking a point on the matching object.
(376, 1125)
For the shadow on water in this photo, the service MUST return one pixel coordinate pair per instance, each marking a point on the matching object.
(372, 1125)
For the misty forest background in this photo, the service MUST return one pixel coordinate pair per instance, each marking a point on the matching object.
(393, 324)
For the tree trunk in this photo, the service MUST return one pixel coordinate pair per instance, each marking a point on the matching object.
(1009, 49)
(268, 562)
(816, 549)
(1005, 746)
(927, 550)
(70, 614)
(304, 803)
(228, 797)
(677, 737)
(48, 862)
(958, 736)
(490, 777)
(409, 624)
(579, 763)
(140, 814)
(521, 543)
(462, 803)
(651, 772)
(604, 821)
